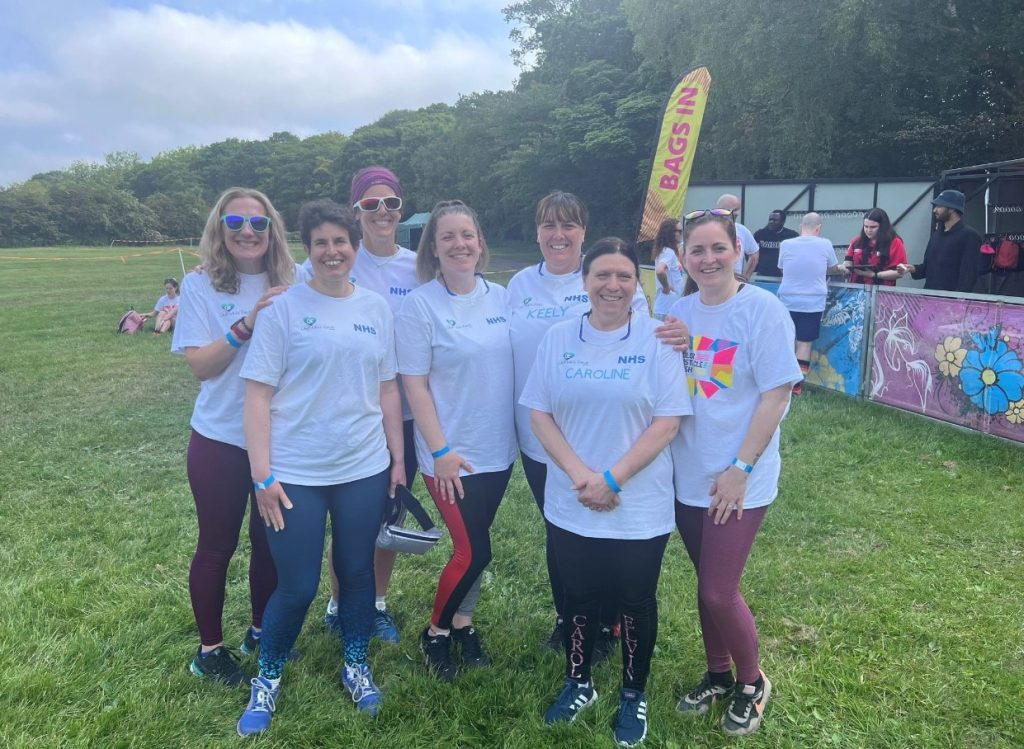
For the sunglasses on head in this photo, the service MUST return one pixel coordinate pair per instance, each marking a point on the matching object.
(372, 205)
(694, 215)
(258, 224)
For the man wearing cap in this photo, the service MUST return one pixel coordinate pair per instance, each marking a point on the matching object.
(951, 260)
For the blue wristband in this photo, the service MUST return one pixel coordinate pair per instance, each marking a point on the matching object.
(261, 485)
(232, 341)
(745, 467)
(440, 453)
(612, 483)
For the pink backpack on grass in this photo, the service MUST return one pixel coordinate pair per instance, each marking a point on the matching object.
(131, 322)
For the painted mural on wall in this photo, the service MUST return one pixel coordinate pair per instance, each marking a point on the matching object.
(836, 356)
(959, 360)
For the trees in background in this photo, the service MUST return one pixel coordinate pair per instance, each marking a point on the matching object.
(801, 88)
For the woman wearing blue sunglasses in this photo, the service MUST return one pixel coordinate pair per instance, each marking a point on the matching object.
(246, 263)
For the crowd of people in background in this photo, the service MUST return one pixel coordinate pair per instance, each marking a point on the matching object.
(327, 386)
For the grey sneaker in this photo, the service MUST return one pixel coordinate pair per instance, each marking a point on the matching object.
(703, 696)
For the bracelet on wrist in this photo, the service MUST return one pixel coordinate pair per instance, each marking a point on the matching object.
(745, 467)
(232, 341)
(612, 483)
(440, 453)
(240, 331)
(261, 485)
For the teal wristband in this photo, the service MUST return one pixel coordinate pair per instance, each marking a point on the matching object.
(612, 483)
(745, 467)
(261, 485)
(440, 453)
(232, 341)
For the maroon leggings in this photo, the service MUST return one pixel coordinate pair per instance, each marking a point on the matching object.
(719, 554)
(218, 474)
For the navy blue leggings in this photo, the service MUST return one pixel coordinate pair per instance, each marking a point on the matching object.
(356, 510)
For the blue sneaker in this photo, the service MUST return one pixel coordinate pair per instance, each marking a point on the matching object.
(631, 725)
(574, 699)
(251, 646)
(262, 703)
(358, 681)
(333, 622)
(384, 627)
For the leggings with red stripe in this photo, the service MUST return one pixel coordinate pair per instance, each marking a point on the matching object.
(218, 474)
(719, 553)
(469, 522)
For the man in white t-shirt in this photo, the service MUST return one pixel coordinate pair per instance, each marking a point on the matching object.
(805, 262)
(751, 251)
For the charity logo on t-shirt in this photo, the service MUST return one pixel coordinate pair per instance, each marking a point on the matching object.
(709, 365)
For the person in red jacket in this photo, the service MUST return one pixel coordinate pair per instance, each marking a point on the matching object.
(876, 253)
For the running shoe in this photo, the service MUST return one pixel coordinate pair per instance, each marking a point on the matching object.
(220, 665)
(605, 645)
(358, 681)
(251, 646)
(631, 725)
(702, 697)
(437, 650)
(574, 699)
(384, 627)
(556, 640)
(473, 653)
(260, 710)
(747, 707)
(333, 622)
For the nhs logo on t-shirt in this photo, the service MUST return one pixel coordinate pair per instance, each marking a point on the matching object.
(361, 328)
(496, 320)
(398, 291)
(582, 298)
(632, 359)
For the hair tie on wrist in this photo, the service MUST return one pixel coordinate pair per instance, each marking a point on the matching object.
(440, 453)
(612, 483)
(232, 341)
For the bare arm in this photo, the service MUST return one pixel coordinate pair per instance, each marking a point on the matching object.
(391, 407)
(256, 423)
(446, 468)
(728, 490)
(661, 273)
(750, 264)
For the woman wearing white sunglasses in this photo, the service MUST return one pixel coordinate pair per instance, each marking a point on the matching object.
(246, 263)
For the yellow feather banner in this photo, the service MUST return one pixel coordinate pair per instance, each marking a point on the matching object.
(673, 158)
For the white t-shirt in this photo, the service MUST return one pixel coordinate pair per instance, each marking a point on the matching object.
(738, 350)
(461, 344)
(804, 262)
(326, 357)
(166, 301)
(663, 302)
(748, 244)
(603, 393)
(537, 300)
(205, 315)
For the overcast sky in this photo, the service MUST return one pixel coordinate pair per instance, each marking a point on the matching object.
(83, 78)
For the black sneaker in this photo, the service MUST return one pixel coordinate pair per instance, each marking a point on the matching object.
(220, 665)
(437, 650)
(605, 645)
(745, 711)
(703, 696)
(251, 646)
(473, 653)
(631, 723)
(556, 640)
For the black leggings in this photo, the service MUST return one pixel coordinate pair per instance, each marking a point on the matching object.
(596, 570)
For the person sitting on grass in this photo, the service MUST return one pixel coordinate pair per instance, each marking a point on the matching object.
(166, 307)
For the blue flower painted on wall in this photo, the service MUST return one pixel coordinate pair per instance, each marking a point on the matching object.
(991, 375)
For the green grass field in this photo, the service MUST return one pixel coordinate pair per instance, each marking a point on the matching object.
(886, 582)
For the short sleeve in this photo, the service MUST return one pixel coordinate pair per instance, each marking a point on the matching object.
(897, 253)
(772, 359)
(266, 358)
(192, 328)
(537, 392)
(413, 338)
(673, 396)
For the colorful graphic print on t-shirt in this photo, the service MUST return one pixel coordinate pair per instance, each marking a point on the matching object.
(709, 365)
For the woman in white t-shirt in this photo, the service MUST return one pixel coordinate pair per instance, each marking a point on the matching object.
(166, 307)
(381, 266)
(606, 399)
(455, 359)
(741, 369)
(246, 264)
(667, 270)
(323, 422)
(539, 297)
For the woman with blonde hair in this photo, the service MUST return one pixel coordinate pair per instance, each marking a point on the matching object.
(246, 264)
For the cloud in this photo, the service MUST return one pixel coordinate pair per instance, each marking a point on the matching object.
(149, 80)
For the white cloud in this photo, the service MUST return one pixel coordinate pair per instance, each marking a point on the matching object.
(150, 80)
